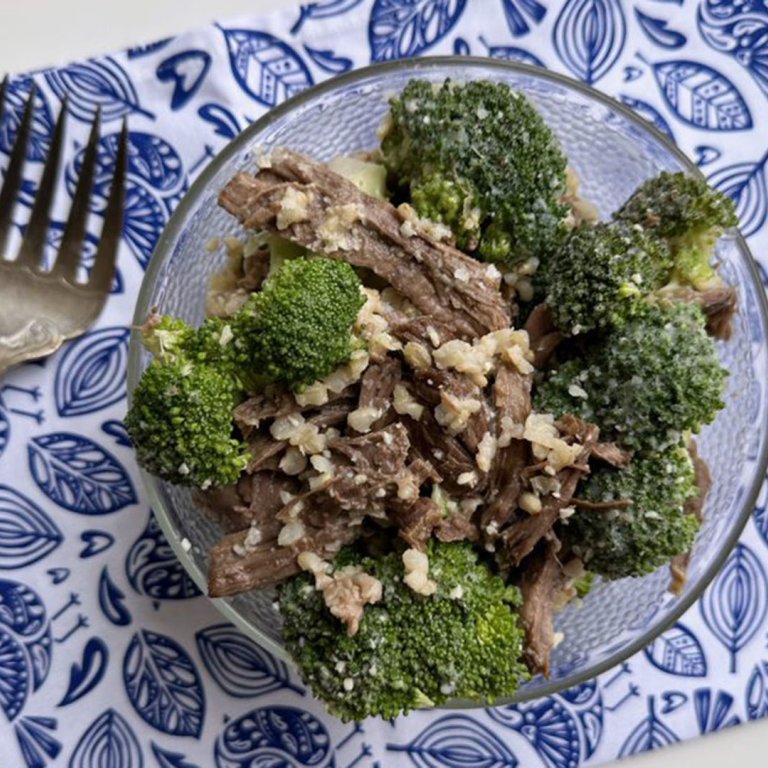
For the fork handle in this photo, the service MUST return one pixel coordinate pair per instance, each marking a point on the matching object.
(39, 338)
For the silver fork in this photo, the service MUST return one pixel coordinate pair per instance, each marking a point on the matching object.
(40, 309)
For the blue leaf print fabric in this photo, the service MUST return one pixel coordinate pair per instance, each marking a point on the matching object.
(109, 657)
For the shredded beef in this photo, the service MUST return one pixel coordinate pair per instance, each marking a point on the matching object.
(512, 400)
(520, 538)
(541, 583)
(377, 387)
(543, 334)
(612, 454)
(446, 453)
(437, 278)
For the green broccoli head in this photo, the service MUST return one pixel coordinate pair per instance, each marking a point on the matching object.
(637, 539)
(180, 423)
(601, 274)
(689, 214)
(298, 328)
(410, 650)
(165, 337)
(646, 383)
(478, 157)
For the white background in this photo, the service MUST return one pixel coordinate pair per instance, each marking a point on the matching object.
(37, 33)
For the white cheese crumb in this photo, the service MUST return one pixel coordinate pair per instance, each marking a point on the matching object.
(486, 452)
(405, 404)
(186, 544)
(530, 503)
(467, 478)
(416, 572)
(348, 684)
(294, 207)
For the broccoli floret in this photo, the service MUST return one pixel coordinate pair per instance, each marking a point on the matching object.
(479, 158)
(601, 274)
(583, 585)
(411, 650)
(689, 214)
(180, 423)
(646, 383)
(166, 337)
(298, 328)
(637, 539)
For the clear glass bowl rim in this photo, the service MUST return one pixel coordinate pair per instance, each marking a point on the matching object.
(175, 226)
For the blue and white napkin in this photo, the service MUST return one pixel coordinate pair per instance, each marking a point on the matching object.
(109, 657)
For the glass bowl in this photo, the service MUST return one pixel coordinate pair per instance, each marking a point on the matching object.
(612, 150)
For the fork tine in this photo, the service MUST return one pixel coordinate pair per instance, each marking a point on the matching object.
(31, 252)
(106, 255)
(74, 232)
(13, 174)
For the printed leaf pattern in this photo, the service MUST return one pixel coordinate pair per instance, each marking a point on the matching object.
(589, 36)
(266, 68)
(747, 185)
(713, 713)
(79, 475)
(549, 726)
(701, 96)
(658, 31)
(239, 665)
(513, 53)
(400, 28)
(735, 605)
(650, 734)
(27, 534)
(163, 684)
(277, 735)
(739, 30)
(91, 373)
(653, 116)
(86, 675)
(328, 61)
(521, 13)
(323, 9)
(154, 570)
(108, 742)
(96, 85)
(186, 71)
(35, 739)
(757, 692)
(112, 601)
(167, 759)
(678, 652)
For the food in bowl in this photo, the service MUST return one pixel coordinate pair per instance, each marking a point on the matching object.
(435, 397)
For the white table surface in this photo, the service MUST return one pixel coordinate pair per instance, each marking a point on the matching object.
(73, 29)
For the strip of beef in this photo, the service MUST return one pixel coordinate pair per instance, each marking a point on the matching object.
(263, 448)
(543, 334)
(425, 330)
(377, 387)
(250, 414)
(268, 563)
(522, 535)
(446, 453)
(542, 582)
(612, 454)
(254, 500)
(310, 205)
(718, 304)
(371, 467)
(512, 400)
(703, 478)
(417, 521)
(429, 385)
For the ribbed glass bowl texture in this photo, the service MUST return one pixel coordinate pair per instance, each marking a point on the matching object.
(613, 151)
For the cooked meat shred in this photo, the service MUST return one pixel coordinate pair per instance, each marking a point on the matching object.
(367, 232)
(541, 583)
